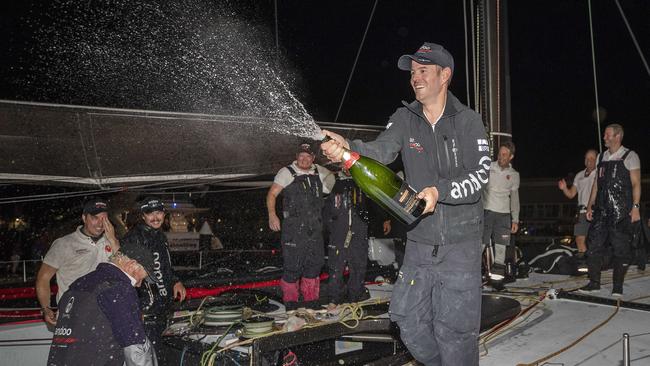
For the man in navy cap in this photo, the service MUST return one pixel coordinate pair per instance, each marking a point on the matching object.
(302, 185)
(156, 299)
(76, 254)
(436, 299)
(99, 321)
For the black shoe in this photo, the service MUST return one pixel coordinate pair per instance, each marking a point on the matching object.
(590, 287)
(640, 266)
(617, 291)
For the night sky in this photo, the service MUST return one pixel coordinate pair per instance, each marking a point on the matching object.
(117, 54)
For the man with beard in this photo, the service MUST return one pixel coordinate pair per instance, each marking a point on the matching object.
(155, 299)
(76, 254)
(613, 209)
(436, 300)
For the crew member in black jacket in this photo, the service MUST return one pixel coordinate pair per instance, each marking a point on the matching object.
(436, 300)
(155, 299)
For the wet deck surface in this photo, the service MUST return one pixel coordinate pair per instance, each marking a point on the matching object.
(555, 323)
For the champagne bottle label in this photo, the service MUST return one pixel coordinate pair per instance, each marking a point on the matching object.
(407, 198)
(350, 158)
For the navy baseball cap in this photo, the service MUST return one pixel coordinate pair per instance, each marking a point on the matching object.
(428, 54)
(151, 204)
(95, 206)
(305, 148)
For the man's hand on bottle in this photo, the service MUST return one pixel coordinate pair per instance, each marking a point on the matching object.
(274, 222)
(430, 196)
(334, 148)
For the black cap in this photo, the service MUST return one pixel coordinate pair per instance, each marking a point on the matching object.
(95, 206)
(305, 148)
(142, 255)
(428, 54)
(151, 204)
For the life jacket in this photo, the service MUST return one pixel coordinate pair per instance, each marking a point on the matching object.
(304, 196)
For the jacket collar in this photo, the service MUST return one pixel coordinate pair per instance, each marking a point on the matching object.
(453, 107)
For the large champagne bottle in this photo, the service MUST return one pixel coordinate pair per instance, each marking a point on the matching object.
(383, 186)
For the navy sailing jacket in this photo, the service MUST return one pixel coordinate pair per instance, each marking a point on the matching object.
(453, 157)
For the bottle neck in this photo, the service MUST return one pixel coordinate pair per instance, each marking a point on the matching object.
(349, 158)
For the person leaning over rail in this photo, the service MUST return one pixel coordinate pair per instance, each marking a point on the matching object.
(100, 322)
(613, 210)
(76, 254)
(156, 299)
(436, 300)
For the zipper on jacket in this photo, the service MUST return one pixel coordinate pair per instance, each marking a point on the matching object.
(444, 138)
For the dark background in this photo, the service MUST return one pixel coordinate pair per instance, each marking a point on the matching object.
(550, 57)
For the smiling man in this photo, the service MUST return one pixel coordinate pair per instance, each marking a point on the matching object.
(436, 299)
(76, 254)
(156, 299)
(302, 185)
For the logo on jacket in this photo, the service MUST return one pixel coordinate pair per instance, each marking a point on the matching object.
(415, 145)
(68, 307)
(483, 145)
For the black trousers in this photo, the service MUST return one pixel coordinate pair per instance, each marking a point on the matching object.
(355, 256)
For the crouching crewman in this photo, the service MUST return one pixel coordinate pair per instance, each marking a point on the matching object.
(100, 322)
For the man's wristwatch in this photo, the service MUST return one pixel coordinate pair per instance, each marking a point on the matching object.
(636, 205)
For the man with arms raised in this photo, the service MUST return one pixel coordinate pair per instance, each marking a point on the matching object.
(436, 299)
(76, 254)
(582, 183)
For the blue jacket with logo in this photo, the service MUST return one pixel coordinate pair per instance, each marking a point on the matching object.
(453, 157)
(99, 316)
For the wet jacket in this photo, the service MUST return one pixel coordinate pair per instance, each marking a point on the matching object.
(155, 299)
(453, 157)
(99, 316)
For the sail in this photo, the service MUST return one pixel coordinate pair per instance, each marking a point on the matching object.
(79, 145)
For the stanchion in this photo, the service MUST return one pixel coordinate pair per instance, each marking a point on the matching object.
(626, 349)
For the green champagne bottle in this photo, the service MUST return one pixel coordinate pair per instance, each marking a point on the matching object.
(383, 186)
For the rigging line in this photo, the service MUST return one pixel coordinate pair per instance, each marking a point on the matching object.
(97, 160)
(629, 29)
(466, 51)
(474, 63)
(593, 63)
(498, 65)
(345, 92)
(83, 145)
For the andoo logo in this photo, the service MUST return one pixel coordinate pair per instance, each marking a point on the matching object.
(473, 183)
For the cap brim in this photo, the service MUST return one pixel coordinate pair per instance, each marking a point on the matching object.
(152, 209)
(96, 212)
(404, 62)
